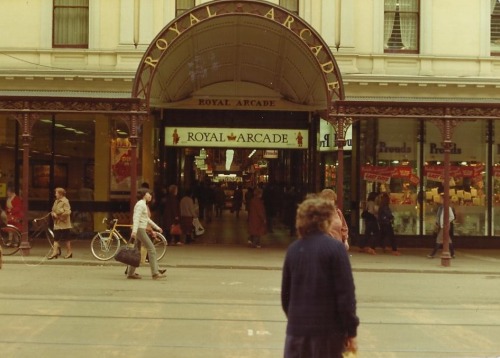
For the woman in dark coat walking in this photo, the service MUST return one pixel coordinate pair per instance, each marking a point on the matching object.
(256, 219)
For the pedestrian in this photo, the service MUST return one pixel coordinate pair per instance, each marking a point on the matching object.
(61, 216)
(237, 200)
(339, 229)
(171, 214)
(220, 200)
(141, 220)
(385, 219)
(256, 219)
(291, 199)
(248, 198)
(271, 201)
(372, 232)
(188, 213)
(14, 208)
(317, 289)
(440, 230)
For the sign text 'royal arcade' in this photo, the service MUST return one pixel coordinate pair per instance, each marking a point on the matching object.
(236, 137)
(266, 11)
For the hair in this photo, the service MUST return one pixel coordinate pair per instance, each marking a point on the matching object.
(172, 189)
(328, 194)
(372, 196)
(384, 199)
(314, 215)
(141, 193)
(61, 191)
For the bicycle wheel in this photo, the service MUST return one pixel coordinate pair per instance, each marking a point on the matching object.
(105, 245)
(10, 240)
(160, 245)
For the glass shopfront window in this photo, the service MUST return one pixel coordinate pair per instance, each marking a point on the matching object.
(496, 179)
(390, 165)
(89, 156)
(9, 154)
(467, 177)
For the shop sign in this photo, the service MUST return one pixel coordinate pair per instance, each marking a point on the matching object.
(236, 137)
(270, 154)
(384, 175)
(436, 172)
(236, 103)
(327, 137)
(436, 149)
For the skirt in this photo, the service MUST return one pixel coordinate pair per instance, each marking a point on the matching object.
(62, 235)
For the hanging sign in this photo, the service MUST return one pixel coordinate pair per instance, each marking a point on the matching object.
(384, 175)
(236, 137)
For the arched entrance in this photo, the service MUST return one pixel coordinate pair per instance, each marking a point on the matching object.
(242, 56)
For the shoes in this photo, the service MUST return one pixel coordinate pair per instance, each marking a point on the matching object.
(430, 256)
(162, 271)
(370, 251)
(179, 243)
(158, 276)
(396, 253)
(135, 276)
(51, 257)
(69, 256)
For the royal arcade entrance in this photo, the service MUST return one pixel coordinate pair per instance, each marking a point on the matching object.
(237, 89)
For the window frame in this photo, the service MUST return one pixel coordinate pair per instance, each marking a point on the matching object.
(296, 12)
(179, 10)
(397, 14)
(495, 14)
(54, 10)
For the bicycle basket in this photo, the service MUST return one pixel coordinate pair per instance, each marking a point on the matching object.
(42, 223)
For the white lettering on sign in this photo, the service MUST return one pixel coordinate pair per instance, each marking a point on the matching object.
(237, 137)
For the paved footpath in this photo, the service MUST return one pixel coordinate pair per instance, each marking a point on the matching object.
(472, 261)
(227, 298)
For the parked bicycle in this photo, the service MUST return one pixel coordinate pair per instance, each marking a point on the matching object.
(10, 236)
(105, 244)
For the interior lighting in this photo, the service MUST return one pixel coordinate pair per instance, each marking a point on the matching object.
(252, 153)
(229, 158)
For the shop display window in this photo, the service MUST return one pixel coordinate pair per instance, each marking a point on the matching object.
(390, 165)
(496, 180)
(467, 185)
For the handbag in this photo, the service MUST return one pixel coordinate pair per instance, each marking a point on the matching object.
(175, 229)
(198, 228)
(129, 256)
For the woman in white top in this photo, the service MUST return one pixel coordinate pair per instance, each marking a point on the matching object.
(141, 220)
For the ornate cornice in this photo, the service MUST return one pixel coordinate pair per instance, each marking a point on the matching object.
(424, 110)
(15, 105)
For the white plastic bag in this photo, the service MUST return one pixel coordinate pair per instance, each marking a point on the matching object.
(198, 228)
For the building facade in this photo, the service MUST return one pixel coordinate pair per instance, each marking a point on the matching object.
(178, 83)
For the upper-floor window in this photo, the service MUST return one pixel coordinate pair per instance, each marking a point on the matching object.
(291, 5)
(181, 6)
(495, 27)
(70, 23)
(401, 26)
